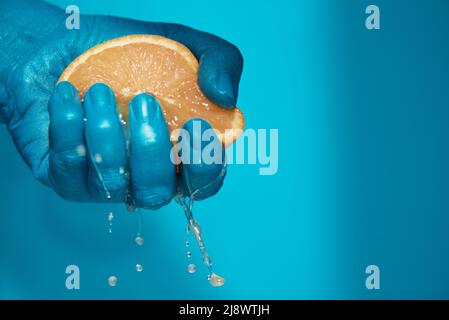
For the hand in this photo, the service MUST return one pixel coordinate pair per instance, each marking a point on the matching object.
(47, 125)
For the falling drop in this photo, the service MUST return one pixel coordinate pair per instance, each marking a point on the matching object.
(110, 218)
(191, 268)
(195, 228)
(112, 280)
(189, 254)
(81, 150)
(187, 244)
(139, 215)
(95, 160)
(98, 158)
(216, 280)
(139, 240)
(139, 267)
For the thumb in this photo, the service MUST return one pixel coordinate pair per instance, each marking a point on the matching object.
(221, 63)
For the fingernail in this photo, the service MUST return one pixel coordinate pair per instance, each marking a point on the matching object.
(145, 107)
(100, 94)
(225, 88)
(66, 90)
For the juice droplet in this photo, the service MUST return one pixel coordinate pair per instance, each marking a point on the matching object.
(191, 268)
(110, 218)
(216, 280)
(139, 267)
(139, 240)
(98, 158)
(81, 150)
(112, 281)
(187, 244)
(189, 254)
(122, 121)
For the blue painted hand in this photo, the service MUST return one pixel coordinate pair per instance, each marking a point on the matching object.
(47, 122)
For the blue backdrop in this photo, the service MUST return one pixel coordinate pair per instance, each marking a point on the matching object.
(363, 119)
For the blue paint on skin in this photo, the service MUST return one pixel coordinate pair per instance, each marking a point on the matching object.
(153, 175)
(48, 141)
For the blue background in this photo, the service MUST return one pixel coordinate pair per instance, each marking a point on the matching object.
(363, 175)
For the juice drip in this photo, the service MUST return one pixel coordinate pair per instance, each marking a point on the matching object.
(216, 280)
(140, 217)
(139, 239)
(129, 198)
(100, 178)
(139, 267)
(95, 159)
(112, 281)
(194, 227)
(191, 268)
(110, 218)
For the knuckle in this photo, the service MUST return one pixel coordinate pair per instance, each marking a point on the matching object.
(114, 181)
(67, 160)
(153, 200)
